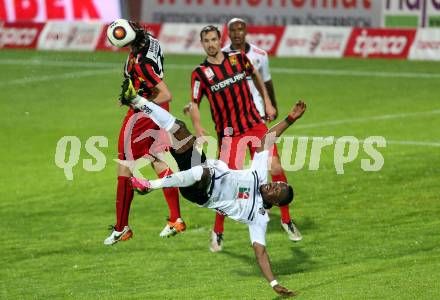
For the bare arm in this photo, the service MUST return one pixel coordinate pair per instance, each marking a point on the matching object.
(271, 92)
(193, 111)
(161, 93)
(265, 267)
(275, 131)
(259, 84)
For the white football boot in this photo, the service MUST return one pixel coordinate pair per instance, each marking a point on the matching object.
(173, 228)
(292, 231)
(117, 236)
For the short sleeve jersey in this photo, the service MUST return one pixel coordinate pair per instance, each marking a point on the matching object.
(260, 60)
(236, 193)
(228, 92)
(145, 67)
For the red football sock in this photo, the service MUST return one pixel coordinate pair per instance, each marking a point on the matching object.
(124, 196)
(285, 214)
(172, 197)
(219, 221)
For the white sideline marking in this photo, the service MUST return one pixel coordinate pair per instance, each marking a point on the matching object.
(72, 75)
(60, 63)
(376, 118)
(389, 142)
(414, 143)
(327, 72)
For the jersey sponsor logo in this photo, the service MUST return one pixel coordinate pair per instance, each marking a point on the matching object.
(153, 50)
(233, 60)
(208, 73)
(227, 82)
(155, 54)
(196, 89)
(243, 193)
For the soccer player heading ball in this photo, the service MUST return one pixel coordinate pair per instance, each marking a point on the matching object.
(144, 66)
(201, 180)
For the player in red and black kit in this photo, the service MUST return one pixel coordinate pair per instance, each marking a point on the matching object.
(139, 135)
(222, 79)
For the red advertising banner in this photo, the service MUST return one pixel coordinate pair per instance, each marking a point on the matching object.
(384, 43)
(267, 38)
(68, 10)
(104, 44)
(19, 35)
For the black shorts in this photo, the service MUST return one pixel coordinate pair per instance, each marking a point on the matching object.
(197, 192)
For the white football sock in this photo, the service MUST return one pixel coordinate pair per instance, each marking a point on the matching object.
(179, 179)
(159, 115)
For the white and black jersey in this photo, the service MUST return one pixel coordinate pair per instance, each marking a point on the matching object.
(236, 194)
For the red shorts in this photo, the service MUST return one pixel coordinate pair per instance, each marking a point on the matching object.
(233, 149)
(141, 137)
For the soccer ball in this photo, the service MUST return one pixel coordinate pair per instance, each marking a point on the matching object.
(120, 33)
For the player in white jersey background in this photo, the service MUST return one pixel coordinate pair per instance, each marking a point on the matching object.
(260, 60)
(201, 181)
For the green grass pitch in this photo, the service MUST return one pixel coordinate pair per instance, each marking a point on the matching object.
(367, 235)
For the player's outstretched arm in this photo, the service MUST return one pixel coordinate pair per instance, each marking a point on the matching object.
(264, 264)
(275, 131)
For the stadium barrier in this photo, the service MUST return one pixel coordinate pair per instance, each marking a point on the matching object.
(283, 41)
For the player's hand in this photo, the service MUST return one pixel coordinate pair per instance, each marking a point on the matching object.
(271, 112)
(187, 109)
(298, 110)
(284, 292)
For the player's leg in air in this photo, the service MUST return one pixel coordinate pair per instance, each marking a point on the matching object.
(121, 231)
(193, 178)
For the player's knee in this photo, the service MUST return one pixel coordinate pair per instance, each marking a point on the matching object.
(197, 172)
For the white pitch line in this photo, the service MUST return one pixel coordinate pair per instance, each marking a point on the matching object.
(72, 75)
(294, 71)
(388, 142)
(414, 143)
(60, 63)
(334, 72)
(376, 118)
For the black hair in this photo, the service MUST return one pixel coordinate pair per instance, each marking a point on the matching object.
(209, 28)
(142, 35)
(289, 197)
